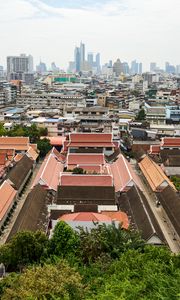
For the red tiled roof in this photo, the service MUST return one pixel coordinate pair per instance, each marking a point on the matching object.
(57, 140)
(170, 142)
(93, 144)
(123, 174)
(86, 217)
(7, 196)
(17, 143)
(91, 168)
(2, 159)
(49, 172)
(32, 153)
(90, 137)
(85, 180)
(87, 159)
(154, 149)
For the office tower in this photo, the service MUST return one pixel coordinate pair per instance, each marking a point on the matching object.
(1, 72)
(153, 67)
(98, 62)
(178, 69)
(140, 68)
(110, 64)
(134, 67)
(82, 53)
(77, 59)
(41, 68)
(125, 68)
(90, 59)
(54, 68)
(71, 67)
(17, 65)
(169, 68)
(118, 67)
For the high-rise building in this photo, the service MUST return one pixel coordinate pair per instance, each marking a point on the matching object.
(54, 68)
(125, 68)
(153, 67)
(140, 68)
(178, 69)
(134, 67)
(98, 62)
(18, 65)
(1, 72)
(90, 59)
(41, 68)
(77, 59)
(118, 67)
(82, 53)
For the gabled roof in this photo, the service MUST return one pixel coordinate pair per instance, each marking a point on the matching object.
(85, 216)
(154, 174)
(68, 179)
(85, 159)
(123, 174)
(90, 137)
(140, 215)
(170, 142)
(170, 200)
(7, 196)
(32, 153)
(16, 143)
(19, 172)
(49, 172)
(90, 140)
(33, 214)
(154, 149)
(56, 140)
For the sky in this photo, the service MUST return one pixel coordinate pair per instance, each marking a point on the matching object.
(146, 30)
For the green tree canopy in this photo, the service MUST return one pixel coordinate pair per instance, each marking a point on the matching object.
(47, 282)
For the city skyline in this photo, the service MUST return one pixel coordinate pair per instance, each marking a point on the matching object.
(121, 29)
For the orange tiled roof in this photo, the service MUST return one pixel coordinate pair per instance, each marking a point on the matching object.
(86, 217)
(7, 196)
(118, 216)
(16, 143)
(154, 174)
(32, 153)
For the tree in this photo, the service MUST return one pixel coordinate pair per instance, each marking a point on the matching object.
(78, 171)
(64, 241)
(107, 240)
(23, 249)
(45, 282)
(141, 115)
(44, 146)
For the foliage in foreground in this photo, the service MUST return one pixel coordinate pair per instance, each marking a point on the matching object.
(104, 264)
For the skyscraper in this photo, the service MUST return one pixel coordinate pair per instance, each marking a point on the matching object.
(77, 59)
(98, 62)
(140, 68)
(118, 67)
(82, 53)
(153, 67)
(134, 67)
(90, 59)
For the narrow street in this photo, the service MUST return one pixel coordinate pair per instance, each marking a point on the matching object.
(20, 203)
(161, 216)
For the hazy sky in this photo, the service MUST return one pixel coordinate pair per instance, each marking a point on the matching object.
(148, 30)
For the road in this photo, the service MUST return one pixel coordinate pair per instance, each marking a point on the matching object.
(20, 203)
(161, 216)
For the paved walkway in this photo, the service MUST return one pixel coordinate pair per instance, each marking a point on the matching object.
(161, 217)
(20, 204)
